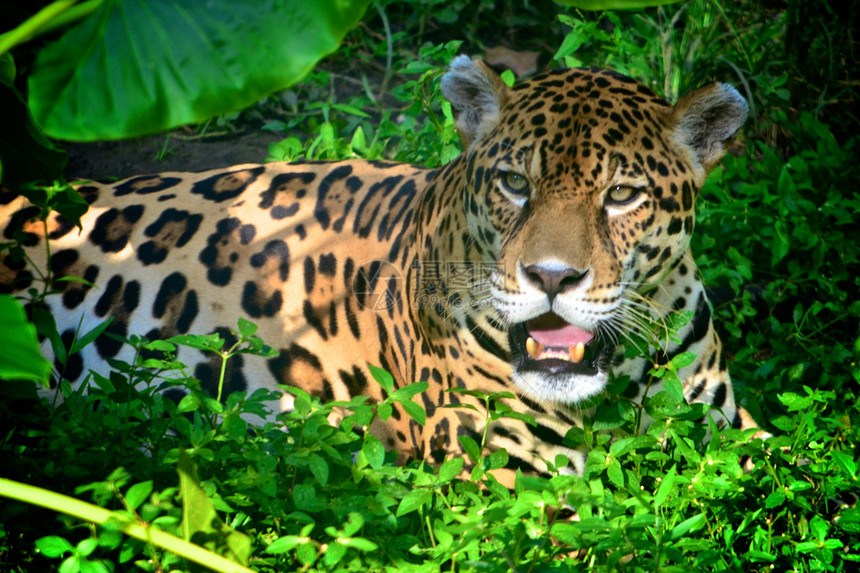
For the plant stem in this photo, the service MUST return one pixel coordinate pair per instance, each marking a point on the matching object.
(48, 271)
(487, 421)
(430, 530)
(389, 54)
(95, 514)
(224, 358)
(735, 34)
(55, 15)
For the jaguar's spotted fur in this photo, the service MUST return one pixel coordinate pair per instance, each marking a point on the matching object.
(523, 265)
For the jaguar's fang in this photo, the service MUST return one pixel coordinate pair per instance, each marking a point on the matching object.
(533, 348)
(577, 352)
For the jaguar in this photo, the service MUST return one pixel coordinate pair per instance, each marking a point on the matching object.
(525, 265)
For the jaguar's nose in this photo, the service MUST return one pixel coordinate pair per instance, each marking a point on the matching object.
(554, 279)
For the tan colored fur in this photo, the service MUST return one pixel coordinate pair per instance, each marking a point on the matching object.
(458, 256)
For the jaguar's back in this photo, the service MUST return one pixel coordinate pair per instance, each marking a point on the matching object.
(284, 245)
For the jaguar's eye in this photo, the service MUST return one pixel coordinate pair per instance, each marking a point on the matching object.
(622, 195)
(515, 183)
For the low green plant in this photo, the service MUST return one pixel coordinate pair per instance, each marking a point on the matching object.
(676, 48)
(424, 132)
(778, 237)
(320, 497)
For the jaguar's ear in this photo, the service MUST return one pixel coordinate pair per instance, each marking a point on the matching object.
(705, 118)
(477, 95)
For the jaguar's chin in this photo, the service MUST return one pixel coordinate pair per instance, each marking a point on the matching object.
(557, 361)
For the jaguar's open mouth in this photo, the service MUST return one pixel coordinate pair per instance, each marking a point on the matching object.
(550, 345)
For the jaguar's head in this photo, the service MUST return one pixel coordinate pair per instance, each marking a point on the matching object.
(580, 188)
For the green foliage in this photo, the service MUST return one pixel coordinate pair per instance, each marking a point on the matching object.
(246, 343)
(675, 49)
(820, 54)
(309, 494)
(114, 525)
(791, 307)
(424, 133)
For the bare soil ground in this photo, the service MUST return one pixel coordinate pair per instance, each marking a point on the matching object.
(110, 160)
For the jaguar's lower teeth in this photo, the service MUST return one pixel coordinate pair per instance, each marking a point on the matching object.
(537, 350)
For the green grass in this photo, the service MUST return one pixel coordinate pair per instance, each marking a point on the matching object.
(776, 238)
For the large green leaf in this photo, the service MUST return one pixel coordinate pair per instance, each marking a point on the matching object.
(20, 358)
(141, 66)
(200, 521)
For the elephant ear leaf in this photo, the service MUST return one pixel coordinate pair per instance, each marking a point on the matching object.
(135, 67)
